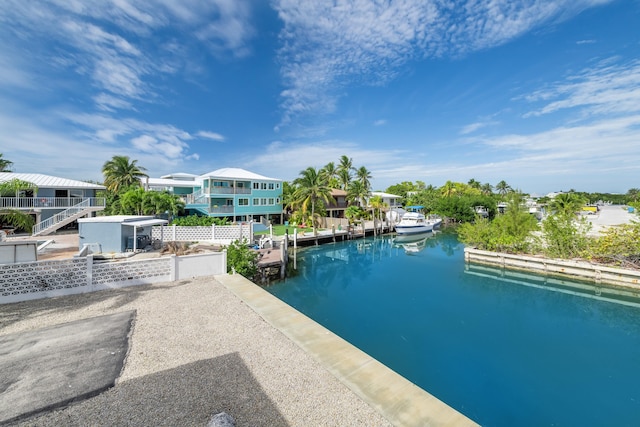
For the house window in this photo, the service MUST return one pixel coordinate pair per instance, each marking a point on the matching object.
(256, 202)
(256, 185)
(243, 202)
(229, 202)
(278, 185)
(277, 200)
(271, 201)
(271, 186)
(263, 201)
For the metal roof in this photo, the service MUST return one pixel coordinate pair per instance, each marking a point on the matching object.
(386, 195)
(132, 220)
(236, 173)
(146, 222)
(47, 181)
(166, 182)
(180, 175)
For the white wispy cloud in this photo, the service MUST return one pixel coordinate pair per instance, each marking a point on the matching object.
(160, 140)
(77, 145)
(327, 45)
(472, 127)
(119, 43)
(607, 88)
(380, 122)
(210, 135)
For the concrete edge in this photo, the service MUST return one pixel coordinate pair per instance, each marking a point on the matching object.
(397, 399)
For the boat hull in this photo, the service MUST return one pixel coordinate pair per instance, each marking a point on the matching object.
(413, 229)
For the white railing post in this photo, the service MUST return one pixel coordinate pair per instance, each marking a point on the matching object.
(224, 260)
(173, 266)
(90, 271)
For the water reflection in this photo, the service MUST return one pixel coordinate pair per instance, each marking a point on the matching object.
(412, 243)
(557, 284)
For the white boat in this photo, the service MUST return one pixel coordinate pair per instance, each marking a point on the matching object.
(414, 222)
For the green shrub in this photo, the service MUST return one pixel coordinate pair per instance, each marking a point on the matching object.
(565, 236)
(618, 245)
(196, 221)
(242, 260)
(510, 232)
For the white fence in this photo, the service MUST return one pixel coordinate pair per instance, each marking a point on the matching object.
(222, 234)
(578, 269)
(44, 279)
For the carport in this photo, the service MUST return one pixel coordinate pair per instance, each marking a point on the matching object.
(117, 233)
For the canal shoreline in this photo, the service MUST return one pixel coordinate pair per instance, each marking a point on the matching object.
(597, 274)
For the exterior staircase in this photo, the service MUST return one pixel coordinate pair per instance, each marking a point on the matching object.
(198, 201)
(65, 217)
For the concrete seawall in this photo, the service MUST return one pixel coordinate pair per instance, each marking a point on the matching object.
(582, 270)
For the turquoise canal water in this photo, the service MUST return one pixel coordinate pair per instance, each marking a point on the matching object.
(503, 351)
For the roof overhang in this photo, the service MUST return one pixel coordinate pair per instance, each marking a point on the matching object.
(145, 222)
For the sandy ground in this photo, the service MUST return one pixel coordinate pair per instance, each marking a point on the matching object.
(196, 350)
(609, 216)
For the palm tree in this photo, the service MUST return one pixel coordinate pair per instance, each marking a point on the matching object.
(120, 173)
(567, 203)
(364, 176)
(5, 165)
(330, 173)
(377, 204)
(448, 189)
(633, 194)
(311, 188)
(344, 177)
(11, 216)
(487, 189)
(503, 188)
(346, 163)
(344, 171)
(474, 184)
(357, 193)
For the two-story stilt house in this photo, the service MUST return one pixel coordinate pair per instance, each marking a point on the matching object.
(237, 194)
(54, 202)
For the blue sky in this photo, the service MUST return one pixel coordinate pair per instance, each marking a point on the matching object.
(542, 94)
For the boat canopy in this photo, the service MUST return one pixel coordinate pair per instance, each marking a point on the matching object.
(415, 208)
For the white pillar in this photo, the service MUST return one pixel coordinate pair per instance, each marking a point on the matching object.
(90, 272)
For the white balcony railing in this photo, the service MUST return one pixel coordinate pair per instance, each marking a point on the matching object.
(229, 190)
(221, 209)
(30, 203)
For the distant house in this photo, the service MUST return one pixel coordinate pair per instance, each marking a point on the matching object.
(336, 209)
(391, 200)
(181, 184)
(55, 203)
(237, 194)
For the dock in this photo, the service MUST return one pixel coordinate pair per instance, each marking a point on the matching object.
(274, 251)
